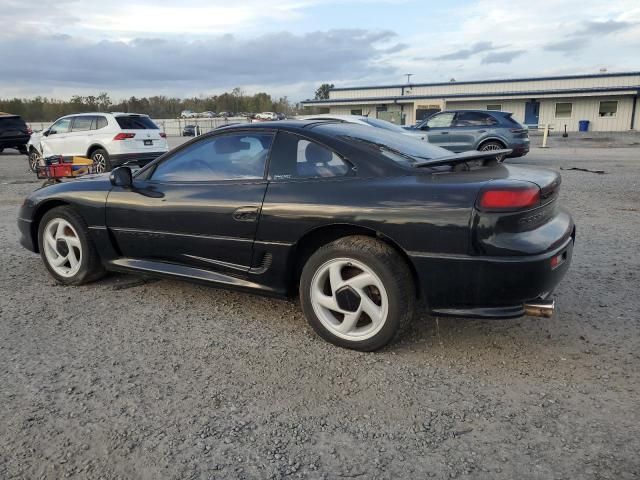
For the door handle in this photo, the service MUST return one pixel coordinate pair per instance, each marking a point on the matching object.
(246, 214)
(444, 133)
(482, 131)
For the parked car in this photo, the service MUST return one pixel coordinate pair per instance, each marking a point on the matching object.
(370, 122)
(225, 114)
(484, 130)
(266, 116)
(281, 116)
(109, 139)
(363, 223)
(14, 133)
(208, 114)
(189, 131)
(188, 114)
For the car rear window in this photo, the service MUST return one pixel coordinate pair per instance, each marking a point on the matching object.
(136, 122)
(395, 146)
(13, 122)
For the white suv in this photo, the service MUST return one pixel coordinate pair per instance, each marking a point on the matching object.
(109, 139)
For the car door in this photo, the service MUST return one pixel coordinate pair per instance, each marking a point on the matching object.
(469, 128)
(54, 140)
(199, 207)
(79, 138)
(438, 129)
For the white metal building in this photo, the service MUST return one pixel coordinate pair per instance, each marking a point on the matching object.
(609, 101)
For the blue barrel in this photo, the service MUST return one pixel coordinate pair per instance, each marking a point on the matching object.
(583, 125)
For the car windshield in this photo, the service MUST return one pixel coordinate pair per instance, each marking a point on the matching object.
(392, 127)
(396, 146)
(136, 122)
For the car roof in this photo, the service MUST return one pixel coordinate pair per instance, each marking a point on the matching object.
(328, 116)
(478, 110)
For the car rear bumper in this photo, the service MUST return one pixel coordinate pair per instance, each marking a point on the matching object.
(519, 149)
(141, 158)
(489, 287)
(10, 142)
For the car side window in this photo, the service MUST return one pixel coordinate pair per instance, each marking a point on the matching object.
(474, 119)
(295, 157)
(442, 120)
(82, 124)
(101, 122)
(61, 126)
(236, 156)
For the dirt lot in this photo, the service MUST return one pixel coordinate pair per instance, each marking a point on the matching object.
(131, 379)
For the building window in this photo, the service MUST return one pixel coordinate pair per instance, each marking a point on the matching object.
(563, 110)
(494, 106)
(608, 108)
(356, 112)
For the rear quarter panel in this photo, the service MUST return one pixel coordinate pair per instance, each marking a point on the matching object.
(423, 213)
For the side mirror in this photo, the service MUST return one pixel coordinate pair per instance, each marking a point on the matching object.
(48, 132)
(121, 177)
(424, 127)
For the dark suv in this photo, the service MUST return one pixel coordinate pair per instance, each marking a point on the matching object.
(463, 130)
(14, 133)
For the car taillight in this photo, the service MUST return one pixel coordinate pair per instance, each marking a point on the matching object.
(124, 136)
(505, 199)
(163, 135)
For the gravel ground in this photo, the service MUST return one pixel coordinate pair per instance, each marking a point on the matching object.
(132, 378)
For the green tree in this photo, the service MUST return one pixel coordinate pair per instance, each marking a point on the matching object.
(322, 93)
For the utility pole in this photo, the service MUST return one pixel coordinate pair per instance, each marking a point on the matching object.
(409, 75)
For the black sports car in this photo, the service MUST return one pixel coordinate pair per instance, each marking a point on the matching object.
(364, 224)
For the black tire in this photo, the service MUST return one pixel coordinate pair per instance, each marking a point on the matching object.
(101, 161)
(1, 149)
(493, 145)
(90, 267)
(389, 267)
(22, 149)
(34, 158)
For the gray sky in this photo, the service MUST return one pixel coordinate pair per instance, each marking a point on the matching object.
(200, 47)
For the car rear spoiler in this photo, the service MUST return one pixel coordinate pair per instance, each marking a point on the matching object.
(463, 157)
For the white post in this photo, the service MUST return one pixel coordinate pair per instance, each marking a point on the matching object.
(545, 135)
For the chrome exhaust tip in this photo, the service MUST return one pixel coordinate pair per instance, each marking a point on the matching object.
(543, 308)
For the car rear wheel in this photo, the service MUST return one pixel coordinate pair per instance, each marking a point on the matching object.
(357, 292)
(101, 162)
(34, 159)
(489, 146)
(66, 248)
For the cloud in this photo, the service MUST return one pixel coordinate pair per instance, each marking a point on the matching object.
(506, 56)
(181, 66)
(468, 52)
(581, 38)
(602, 28)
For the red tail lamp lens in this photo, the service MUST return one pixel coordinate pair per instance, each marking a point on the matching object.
(124, 136)
(510, 199)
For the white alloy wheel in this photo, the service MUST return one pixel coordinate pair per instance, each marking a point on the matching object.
(349, 299)
(62, 247)
(99, 162)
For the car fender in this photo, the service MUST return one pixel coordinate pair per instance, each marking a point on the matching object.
(491, 137)
(94, 146)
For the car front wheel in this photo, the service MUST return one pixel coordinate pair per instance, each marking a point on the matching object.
(357, 292)
(66, 248)
(34, 160)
